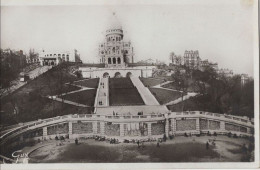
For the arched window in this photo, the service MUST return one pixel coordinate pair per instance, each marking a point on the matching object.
(59, 55)
(119, 60)
(114, 49)
(114, 60)
(109, 60)
(67, 57)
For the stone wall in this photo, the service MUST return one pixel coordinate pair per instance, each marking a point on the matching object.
(82, 127)
(203, 124)
(157, 128)
(231, 127)
(214, 125)
(58, 129)
(112, 129)
(186, 124)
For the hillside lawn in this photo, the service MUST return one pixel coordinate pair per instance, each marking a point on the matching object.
(86, 97)
(164, 96)
(30, 103)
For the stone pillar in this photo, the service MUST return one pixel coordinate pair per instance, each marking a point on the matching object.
(122, 130)
(94, 127)
(197, 124)
(222, 125)
(70, 130)
(102, 128)
(149, 124)
(173, 126)
(167, 127)
(44, 132)
(208, 124)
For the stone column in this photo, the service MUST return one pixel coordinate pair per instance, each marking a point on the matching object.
(102, 128)
(197, 124)
(173, 126)
(122, 130)
(167, 127)
(70, 130)
(222, 126)
(44, 132)
(149, 124)
(94, 127)
(208, 124)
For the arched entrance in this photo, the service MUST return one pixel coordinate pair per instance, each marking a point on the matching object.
(117, 75)
(129, 74)
(105, 75)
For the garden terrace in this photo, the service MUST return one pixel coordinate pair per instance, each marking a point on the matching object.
(150, 82)
(122, 92)
(82, 127)
(117, 83)
(164, 96)
(58, 129)
(112, 129)
(91, 83)
(86, 97)
(186, 124)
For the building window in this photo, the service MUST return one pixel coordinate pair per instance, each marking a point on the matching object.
(109, 60)
(114, 60)
(118, 60)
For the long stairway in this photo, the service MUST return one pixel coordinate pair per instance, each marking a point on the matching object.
(145, 93)
(102, 97)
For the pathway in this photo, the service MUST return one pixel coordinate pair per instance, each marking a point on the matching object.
(180, 99)
(145, 93)
(67, 101)
(159, 85)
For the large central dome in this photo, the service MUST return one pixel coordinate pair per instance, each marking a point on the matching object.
(114, 23)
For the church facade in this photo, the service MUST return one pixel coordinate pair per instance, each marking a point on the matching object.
(114, 52)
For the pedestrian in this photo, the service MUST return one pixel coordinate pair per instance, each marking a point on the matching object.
(76, 141)
(207, 145)
(138, 143)
(158, 144)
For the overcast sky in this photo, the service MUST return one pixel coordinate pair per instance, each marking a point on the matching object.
(222, 33)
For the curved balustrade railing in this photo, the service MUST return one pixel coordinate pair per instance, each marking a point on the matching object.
(124, 119)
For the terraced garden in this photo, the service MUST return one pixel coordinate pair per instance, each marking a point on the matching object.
(122, 92)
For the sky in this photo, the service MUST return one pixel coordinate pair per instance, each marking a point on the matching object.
(222, 32)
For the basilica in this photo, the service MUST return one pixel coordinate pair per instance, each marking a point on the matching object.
(116, 57)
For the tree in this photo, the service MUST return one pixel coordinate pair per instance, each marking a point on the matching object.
(181, 83)
(172, 55)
